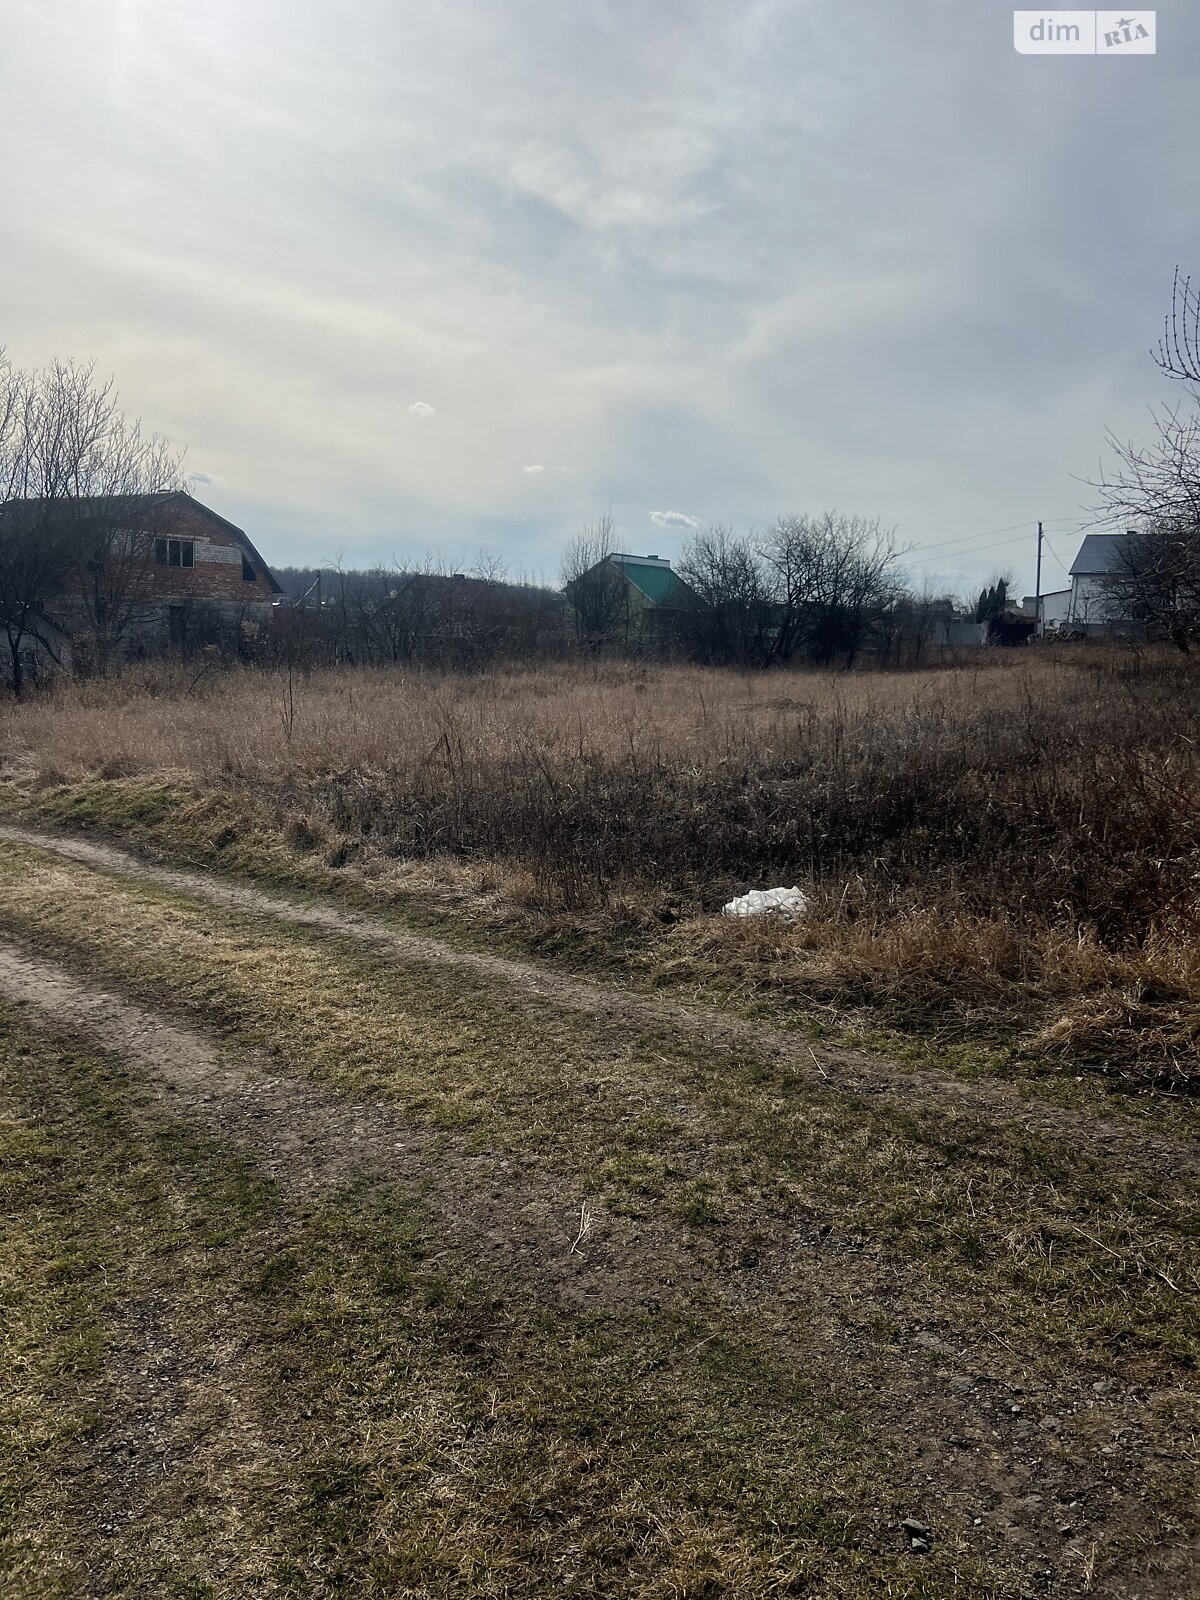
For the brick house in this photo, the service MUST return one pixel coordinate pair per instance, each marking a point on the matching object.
(167, 571)
(203, 567)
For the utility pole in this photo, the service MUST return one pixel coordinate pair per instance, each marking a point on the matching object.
(1037, 590)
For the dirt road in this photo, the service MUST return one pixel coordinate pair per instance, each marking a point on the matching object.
(957, 1301)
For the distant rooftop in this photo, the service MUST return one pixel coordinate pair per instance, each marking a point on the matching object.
(654, 577)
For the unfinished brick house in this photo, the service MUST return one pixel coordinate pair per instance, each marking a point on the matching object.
(134, 575)
(204, 570)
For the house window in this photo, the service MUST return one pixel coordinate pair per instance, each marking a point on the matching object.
(248, 572)
(174, 552)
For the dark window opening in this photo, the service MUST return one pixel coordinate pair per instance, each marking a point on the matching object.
(248, 572)
(174, 552)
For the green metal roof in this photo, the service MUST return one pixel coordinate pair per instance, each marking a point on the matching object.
(655, 579)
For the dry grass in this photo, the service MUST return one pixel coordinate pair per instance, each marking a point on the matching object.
(1013, 844)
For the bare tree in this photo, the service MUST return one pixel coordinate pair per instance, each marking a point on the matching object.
(1153, 492)
(34, 552)
(812, 588)
(594, 584)
(1158, 483)
(1178, 352)
(732, 615)
(909, 624)
(489, 566)
(834, 578)
(1154, 584)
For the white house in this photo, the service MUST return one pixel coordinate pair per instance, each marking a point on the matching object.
(1091, 604)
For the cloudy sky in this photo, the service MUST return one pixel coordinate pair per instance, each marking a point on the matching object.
(464, 275)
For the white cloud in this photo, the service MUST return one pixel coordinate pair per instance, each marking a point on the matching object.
(674, 519)
(533, 469)
(201, 477)
(422, 408)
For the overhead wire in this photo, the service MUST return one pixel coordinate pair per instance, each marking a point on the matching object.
(971, 542)
(1061, 563)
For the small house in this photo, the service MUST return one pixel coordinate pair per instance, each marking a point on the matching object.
(636, 599)
(1092, 607)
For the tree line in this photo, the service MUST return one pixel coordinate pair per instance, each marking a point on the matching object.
(417, 615)
(826, 589)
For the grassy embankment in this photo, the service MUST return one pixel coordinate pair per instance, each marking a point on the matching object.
(1006, 854)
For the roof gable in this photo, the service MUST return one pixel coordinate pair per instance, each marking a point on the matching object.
(231, 527)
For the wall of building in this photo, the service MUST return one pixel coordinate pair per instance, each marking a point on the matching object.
(190, 622)
(960, 634)
(217, 571)
(1056, 608)
(1090, 603)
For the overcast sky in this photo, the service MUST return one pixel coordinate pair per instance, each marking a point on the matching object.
(466, 274)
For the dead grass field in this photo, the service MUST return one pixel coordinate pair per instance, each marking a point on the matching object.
(1004, 855)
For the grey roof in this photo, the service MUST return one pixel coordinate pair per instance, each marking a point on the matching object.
(1098, 553)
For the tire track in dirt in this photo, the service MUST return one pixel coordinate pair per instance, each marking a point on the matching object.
(618, 1008)
(287, 1121)
(513, 1222)
(505, 1212)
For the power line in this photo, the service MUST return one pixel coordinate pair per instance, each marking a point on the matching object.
(970, 543)
(1056, 556)
(937, 552)
(966, 538)
(973, 539)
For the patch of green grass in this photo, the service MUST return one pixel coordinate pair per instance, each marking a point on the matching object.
(698, 1206)
(322, 1399)
(630, 1179)
(92, 1218)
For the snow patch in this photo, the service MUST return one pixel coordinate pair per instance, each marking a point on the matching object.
(789, 903)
